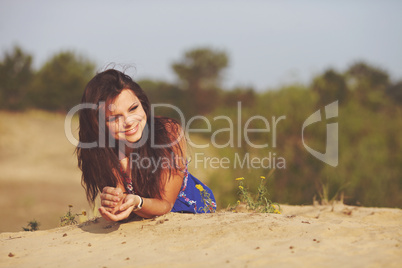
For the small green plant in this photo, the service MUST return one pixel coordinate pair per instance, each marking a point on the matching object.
(206, 198)
(259, 202)
(69, 218)
(32, 226)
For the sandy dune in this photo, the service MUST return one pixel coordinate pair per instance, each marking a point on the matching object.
(302, 236)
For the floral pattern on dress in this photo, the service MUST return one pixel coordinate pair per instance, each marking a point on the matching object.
(190, 201)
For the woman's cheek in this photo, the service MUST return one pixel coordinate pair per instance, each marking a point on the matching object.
(113, 130)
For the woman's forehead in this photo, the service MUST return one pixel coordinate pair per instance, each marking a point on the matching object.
(124, 100)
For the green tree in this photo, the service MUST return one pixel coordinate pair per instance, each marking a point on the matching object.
(368, 83)
(330, 87)
(395, 92)
(160, 92)
(200, 73)
(246, 96)
(365, 75)
(60, 82)
(15, 78)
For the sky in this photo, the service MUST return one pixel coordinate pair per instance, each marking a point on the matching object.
(269, 43)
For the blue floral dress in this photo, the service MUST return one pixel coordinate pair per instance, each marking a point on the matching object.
(194, 196)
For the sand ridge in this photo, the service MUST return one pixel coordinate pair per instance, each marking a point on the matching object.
(302, 236)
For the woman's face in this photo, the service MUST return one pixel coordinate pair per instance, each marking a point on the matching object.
(125, 117)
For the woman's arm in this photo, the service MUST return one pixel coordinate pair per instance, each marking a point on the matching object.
(171, 183)
(116, 206)
(156, 207)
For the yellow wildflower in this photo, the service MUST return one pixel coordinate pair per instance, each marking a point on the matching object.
(262, 177)
(240, 179)
(240, 187)
(277, 211)
(238, 202)
(199, 187)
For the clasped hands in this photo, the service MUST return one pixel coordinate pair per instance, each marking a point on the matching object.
(115, 205)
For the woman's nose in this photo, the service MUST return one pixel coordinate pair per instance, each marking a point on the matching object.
(128, 121)
(131, 119)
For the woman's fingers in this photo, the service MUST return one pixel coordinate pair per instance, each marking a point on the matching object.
(128, 202)
(105, 214)
(114, 217)
(111, 210)
(107, 203)
(108, 215)
(110, 196)
(112, 191)
(122, 212)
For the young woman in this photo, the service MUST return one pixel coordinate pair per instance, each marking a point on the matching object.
(135, 161)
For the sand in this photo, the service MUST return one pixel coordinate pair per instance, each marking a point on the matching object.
(302, 236)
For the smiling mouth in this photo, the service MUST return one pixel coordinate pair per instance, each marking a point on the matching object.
(131, 131)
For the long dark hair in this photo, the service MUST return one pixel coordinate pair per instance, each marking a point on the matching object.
(100, 164)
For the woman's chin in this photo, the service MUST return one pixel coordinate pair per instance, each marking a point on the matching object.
(132, 139)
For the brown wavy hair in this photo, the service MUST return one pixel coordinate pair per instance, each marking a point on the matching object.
(99, 164)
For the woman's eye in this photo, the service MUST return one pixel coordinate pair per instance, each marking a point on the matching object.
(133, 108)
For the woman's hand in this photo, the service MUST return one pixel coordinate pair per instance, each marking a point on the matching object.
(122, 211)
(111, 199)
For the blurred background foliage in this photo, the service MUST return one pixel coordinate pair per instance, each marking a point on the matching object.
(370, 108)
